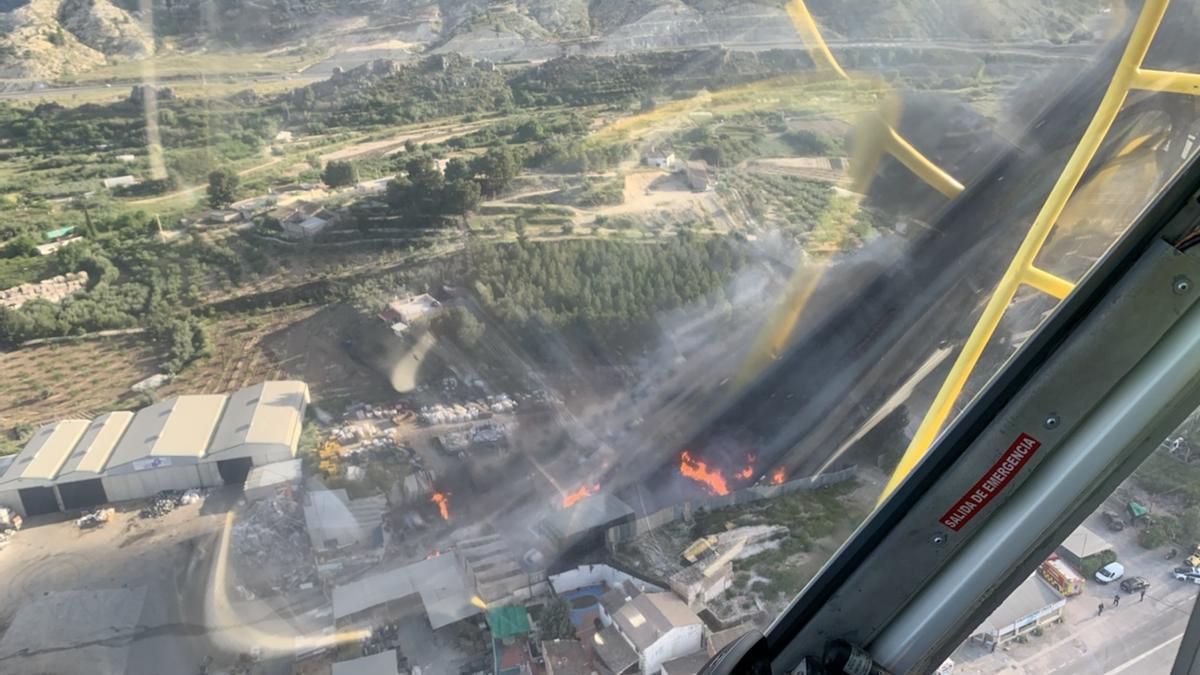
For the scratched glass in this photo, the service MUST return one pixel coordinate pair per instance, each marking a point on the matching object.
(519, 336)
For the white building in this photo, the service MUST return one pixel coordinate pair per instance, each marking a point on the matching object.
(119, 181)
(660, 628)
(181, 443)
(401, 313)
(662, 159)
(305, 229)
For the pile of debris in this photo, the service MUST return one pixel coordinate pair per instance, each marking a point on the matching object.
(167, 501)
(382, 638)
(271, 545)
(10, 522)
(95, 518)
(465, 412)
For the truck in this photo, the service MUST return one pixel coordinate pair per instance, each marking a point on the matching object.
(1193, 560)
(1059, 574)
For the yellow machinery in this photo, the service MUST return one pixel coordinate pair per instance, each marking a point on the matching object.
(330, 456)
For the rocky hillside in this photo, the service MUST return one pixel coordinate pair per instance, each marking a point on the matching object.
(48, 38)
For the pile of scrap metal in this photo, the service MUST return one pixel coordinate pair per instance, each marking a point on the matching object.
(382, 638)
(166, 502)
(271, 546)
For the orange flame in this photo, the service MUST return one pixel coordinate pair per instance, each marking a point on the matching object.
(443, 505)
(748, 472)
(698, 471)
(777, 476)
(583, 491)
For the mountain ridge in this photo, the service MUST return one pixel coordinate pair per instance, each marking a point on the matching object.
(51, 39)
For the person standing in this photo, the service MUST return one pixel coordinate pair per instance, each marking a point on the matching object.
(1143, 598)
(1116, 599)
(1100, 609)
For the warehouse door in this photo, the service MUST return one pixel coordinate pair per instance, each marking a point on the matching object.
(234, 471)
(38, 500)
(82, 494)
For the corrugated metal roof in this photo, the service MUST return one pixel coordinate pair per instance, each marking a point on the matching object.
(98, 442)
(177, 427)
(438, 581)
(264, 413)
(46, 451)
(190, 426)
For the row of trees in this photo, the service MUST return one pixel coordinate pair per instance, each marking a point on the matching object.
(600, 286)
(158, 283)
(421, 194)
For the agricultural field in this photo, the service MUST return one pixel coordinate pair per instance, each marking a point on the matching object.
(84, 377)
(239, 356)
(69, 379)
(777, 201)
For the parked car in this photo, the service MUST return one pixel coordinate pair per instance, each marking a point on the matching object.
(1134, 584)
(1187, 574)
(1110, 572)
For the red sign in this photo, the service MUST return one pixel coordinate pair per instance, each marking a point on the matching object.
(1003, 471)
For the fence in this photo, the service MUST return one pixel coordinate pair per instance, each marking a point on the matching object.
(625, 532)
(591, 575)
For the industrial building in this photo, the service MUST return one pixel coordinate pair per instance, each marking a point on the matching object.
(1033, 604)
(181, 443)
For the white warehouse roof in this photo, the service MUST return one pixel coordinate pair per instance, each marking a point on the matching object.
(93, 450)
(264, 413)
(46, 451)
(186, 428)
(177, 427)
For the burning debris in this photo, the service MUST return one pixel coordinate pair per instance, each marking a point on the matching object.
(748, 472)
(711, 479)
(443, 504)
(777, 476)
(583, 492)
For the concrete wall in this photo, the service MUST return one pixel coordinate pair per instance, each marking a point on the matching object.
(590, 575)
(12, 500)
(142, 484)
(209, 475)
(679, 641)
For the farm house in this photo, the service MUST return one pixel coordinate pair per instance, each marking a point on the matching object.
(181, 443)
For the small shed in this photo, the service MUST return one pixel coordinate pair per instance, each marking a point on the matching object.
(264, 481)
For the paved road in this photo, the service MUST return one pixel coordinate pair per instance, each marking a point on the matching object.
(1136, 637)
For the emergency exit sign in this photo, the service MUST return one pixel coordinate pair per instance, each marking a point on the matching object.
(997, 477)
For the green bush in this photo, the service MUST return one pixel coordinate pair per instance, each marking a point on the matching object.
(1164, 529)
